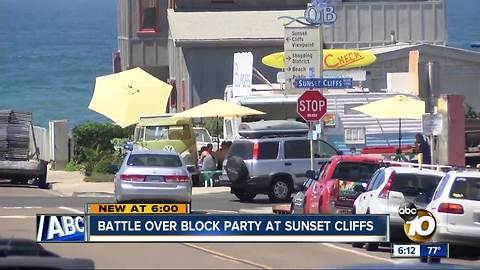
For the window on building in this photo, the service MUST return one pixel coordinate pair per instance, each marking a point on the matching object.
(149, 11)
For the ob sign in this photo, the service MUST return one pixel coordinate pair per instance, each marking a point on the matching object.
(312, 106)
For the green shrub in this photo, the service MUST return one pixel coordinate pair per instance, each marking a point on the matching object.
(72, 166)
(92, 157)
(96, 137)
(108, 164)
(118, 143)
(470, 113)
(99, 177)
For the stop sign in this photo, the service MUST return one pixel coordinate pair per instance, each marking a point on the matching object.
(312, 106)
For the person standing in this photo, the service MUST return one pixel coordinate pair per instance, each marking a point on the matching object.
(221, 154)
(209, 161)
(423, 147)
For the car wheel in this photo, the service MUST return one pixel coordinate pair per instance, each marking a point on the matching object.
(244, 196)
(280, 190)
(42, 178)
(357, 245)
(320, 209)
(117, 200)
(371, 246)
(115, 196)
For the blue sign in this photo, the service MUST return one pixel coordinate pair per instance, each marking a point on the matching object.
(241, 228)
(336, 83)
(60, 228)
(434, 250)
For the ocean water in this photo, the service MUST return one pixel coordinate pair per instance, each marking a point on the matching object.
(50, 53)
(52, 50)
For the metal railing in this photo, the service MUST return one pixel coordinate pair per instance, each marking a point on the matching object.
(444, 168)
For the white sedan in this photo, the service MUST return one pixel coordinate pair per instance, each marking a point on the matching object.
(456, 208)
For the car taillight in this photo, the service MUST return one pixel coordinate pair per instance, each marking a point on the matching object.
(132, 177)
(255, 151)
(451, 208)
(334, 194)
(386, 189)
(176, 178)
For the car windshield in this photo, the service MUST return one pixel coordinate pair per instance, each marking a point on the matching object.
(154, 160)
(411, 184)
(179, 132)
(466, 188)
(201, 135)
(355, 171)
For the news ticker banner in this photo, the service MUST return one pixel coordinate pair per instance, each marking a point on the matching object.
(420, 250)
(144, 227)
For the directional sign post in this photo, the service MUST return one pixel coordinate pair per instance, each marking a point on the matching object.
(311, 106)
(303, 53)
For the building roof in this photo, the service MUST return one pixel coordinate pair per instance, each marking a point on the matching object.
(229, 27)
(400, 49)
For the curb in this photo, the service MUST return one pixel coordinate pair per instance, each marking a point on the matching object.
(93, 194)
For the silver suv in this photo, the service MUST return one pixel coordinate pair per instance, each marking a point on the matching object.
(274, 166)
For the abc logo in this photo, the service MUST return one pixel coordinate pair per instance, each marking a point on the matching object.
(419, 224)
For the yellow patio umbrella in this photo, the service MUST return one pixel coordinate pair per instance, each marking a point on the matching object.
(218, 108)
(124, 97)
(400, 106)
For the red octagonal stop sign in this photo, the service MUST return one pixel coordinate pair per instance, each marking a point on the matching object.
(312, 106)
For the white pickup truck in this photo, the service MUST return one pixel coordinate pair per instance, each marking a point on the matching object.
(17, 163)
(203, 137)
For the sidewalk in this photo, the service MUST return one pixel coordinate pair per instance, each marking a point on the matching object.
(70, 184)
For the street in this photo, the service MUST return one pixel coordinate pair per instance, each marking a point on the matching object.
(20, 204)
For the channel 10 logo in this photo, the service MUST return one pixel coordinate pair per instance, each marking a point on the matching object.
(419, 224)
(60, 228)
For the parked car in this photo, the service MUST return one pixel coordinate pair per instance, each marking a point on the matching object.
(456, 208)
(203, 138)
(272, 165)
(153, 175)
(169, 133)
(298, 201)
(389, 188)
(343, 179)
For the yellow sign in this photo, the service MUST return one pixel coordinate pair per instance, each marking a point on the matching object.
(329, 120)
(332, 59)
(112, 208)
